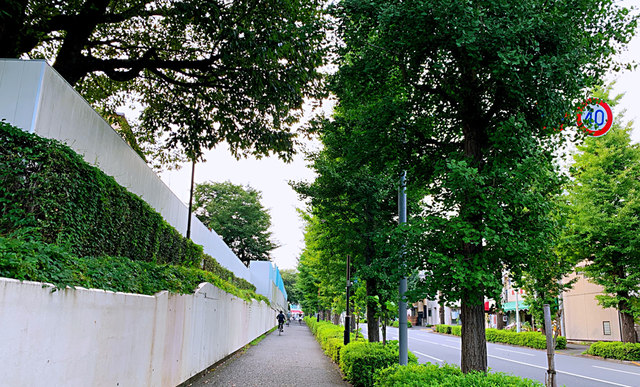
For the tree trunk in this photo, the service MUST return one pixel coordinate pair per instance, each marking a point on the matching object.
(627, 324)
(474, 341)
(500, 322)
(441, 311)
(372, 321)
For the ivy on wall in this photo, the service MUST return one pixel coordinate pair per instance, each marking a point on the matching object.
(47, 191)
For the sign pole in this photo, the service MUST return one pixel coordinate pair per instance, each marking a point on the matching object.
(402, 288)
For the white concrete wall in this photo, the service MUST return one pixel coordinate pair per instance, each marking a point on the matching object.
(37, 99)
(80, 338)
(266, 277)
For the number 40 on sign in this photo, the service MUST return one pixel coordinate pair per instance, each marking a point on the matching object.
(595, 117)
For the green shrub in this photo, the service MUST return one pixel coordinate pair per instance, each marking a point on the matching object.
(615, 350)
(396, 324)
(359, 360)
(211, 265)
(34, 260)
(50, 193)
(445, 375)
(525, 339)
(332, 348)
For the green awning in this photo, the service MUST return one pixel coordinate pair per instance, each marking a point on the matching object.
(511, 306)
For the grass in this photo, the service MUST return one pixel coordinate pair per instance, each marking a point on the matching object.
(261, 337)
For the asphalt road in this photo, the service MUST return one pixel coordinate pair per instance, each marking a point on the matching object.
(525, 362)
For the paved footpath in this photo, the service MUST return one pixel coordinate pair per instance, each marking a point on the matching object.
(293, 359)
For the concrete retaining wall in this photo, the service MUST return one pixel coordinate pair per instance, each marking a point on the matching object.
(80, 338)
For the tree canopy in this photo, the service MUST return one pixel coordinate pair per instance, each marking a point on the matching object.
(204, 71)
(235, 213)
(604, 219)
(290, 278)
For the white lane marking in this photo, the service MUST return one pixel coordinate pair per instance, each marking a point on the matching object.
(455, 341)
(430, 357)
(521, 353)
(613, 369)
(425, 341)
(562, 372)
(450, 346)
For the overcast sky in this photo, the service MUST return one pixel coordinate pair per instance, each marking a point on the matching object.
(271, 175)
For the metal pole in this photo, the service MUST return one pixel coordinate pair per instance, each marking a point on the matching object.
(402, 304)
(563, 331)
(548, 328)
(193, 173)
(517, 313)
(347, 317)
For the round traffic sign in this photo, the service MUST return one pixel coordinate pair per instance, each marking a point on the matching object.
(595, 117)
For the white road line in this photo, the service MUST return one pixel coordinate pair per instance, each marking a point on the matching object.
(508, 350)
(425, 341)
(450, 346)
(613, 369)
(562, 372)
(430, 357)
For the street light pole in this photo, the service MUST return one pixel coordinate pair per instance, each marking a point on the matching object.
(347, 317)
(193, 173)
(402, 304)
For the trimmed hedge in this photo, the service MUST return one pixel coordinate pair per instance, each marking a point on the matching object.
(615, 350)
(432, 375)
(48, 191)
(330, 337)
(524, 339)
(361, 359)
(34, 260)
(396, 324)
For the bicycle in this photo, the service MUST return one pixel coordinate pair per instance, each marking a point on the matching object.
(280, 330)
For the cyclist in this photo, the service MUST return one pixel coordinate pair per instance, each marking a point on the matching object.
(281, 319)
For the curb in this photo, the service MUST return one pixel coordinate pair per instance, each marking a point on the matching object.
(558, 352)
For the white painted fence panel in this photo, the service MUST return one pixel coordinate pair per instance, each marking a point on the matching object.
(80, 338)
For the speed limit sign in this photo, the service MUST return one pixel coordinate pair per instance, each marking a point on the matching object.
(595, 117)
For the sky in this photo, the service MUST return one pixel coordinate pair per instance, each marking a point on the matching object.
(271, 175)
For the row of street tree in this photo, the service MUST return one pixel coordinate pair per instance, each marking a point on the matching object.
(470, 99)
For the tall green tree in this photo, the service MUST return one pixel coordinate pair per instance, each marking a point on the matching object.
(358, 208)
(205, 71)
(235, 213)
(604, 220)
(290, 279)
(467, 94)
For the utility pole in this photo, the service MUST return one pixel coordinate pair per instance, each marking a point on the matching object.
(347, 317)
(193, 174)
(402, 304)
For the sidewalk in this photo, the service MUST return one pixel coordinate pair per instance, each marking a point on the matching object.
(293, 359)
